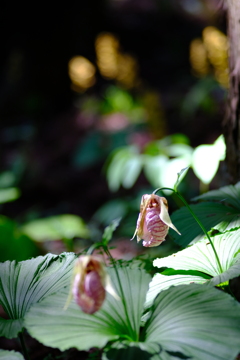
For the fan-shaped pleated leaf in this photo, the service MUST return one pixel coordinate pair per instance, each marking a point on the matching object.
(212, 215)
(228, 194)
(197, 321)
(10, 328)
(162, 282)
(10, 355)
(25, 283)
(53, 326)
(201, 257)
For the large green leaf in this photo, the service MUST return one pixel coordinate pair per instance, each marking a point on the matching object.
(212, 215)
(10, 355)
(222, 215)
(163, 282)
(25, 283)
(65, 226)
(50, 324)
(229, 194)
(200, 257)
(196, 321)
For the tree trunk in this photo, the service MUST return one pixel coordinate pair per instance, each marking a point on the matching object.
(231, 124)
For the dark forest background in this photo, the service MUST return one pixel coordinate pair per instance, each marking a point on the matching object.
(56, 136)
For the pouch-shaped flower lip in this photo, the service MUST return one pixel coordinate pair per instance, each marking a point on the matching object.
(90, 283)
(153, 220)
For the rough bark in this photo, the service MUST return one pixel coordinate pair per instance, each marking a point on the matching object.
(231, 124)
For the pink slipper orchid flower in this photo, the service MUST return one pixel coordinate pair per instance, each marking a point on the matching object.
(153, 221)
(90, 283)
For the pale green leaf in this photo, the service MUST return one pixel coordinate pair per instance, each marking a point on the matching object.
(205, 159)
(153, 168)
(48, 323)
(179, 150)
(196, 321)
(9, 194)
(173, 166)
(131, 171)
(115, 169)
(65, 226)
(163, 282)
(10, 355)
(201, 257)
(25, 283)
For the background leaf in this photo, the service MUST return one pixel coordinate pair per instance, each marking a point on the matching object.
(152, 169)
(131, 171)
(25, 283)
(109, 230)
(9, 194)
(124, 167)
(10, 355)
(205, 159)
(19, 246)
(196, 321)
(48, 323)
(65, 226)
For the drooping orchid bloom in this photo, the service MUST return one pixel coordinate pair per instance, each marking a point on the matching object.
(90, 283)
(153, 221)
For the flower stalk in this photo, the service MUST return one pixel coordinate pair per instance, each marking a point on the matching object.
(196, 219)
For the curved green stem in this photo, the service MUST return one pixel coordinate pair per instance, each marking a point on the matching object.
(93, 247)
(197, 220)
(134, 335)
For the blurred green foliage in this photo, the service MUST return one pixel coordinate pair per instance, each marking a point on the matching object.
(56, 227)
(14, 244)
(161, 160)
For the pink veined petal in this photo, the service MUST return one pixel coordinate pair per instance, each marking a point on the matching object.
(94, 287)
(94, 290)
(155, 230)
(89, 294)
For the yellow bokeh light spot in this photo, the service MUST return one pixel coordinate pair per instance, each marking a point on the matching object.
(211, 50)
(81, 72)
(107, 46)
(112, 63)
(127, 70)
(198, 58)
(217, 49)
